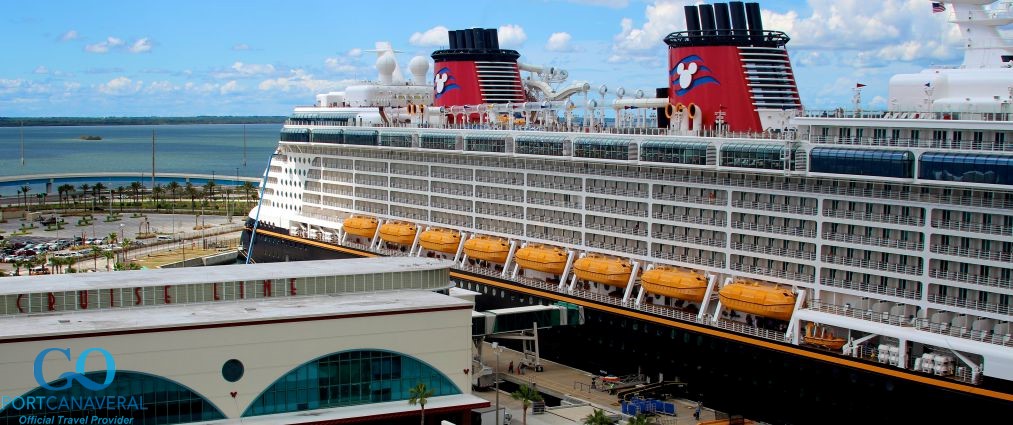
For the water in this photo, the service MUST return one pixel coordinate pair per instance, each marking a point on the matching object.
(197, 148)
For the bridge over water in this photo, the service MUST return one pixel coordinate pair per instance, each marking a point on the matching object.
(48, 183)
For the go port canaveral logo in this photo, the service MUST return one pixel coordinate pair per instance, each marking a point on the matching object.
(444, 82)
(47, 406)
(687, 74)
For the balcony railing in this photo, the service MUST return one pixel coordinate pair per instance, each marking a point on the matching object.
(981, 145)
(869, 240)
(971, 278)
(872, 288)
(972, 253)
(783, 274)
(971, 304)
(873, 264)
(781, 208)
(769, 228)
(776, 251)
(672, 236)
(858, 313)
(706, 200)
(881, 218)
(693, 219)
(972, 227)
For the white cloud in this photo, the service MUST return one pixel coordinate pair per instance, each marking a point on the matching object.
(511, 36)
(120, 86)
(252, 69)
(69, 35)
(240, 47)
(354, 53)
(141, 45)
(435, 36)
(41, 69)
(559, 42)
(339, 65)
(645, 43)
(160, 87)
(299, 80)
(615, 4)
(229, 87)
(103, 46)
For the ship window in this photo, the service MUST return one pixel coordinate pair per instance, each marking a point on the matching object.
(970, 168)
(541, 145)
(360, 137)
(862, 162)
(482, 143)
(295, 135)
(602, 148)
(438, 141)
(747, 155)
(396, 139)
(675, 152)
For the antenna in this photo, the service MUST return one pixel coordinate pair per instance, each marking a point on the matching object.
(152, 160)
(244, 145)
(22, 143)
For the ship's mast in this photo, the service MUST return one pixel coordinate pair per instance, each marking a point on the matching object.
(985, 47)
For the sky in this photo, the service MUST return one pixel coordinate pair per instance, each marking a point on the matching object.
(264, 57)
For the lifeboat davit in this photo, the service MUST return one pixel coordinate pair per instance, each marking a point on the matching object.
(675, 283)
(599, 268)
(487, 248)
(442, 240)
(762, 300)
(543, 258)
(820, 336)
(360, 225)
(398, 232)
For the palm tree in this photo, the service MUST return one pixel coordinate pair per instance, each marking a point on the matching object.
(109, 256)
(419, 394)
(85, 188)
(95, 252)
(18, 264)
(64, 191)
(56, 263)
(191, 191)
(40, 197)
(120, 190)
(157, 192)
(526, 395)
(136, 188)
(25, 189)
(209, 188)
(173, 187)
(127, 243)
(96, 191)
(597, 418)
(113, 237)
(247, 190)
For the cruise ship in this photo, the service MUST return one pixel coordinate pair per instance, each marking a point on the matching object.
(790, 265)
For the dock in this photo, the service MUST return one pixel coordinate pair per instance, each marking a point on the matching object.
(568, 383)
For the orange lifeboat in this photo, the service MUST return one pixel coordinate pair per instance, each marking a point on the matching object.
(599, 268)
(398, 232)
(820, 336)
(442, 240)
(542, 258)
(675, 283)
(761, 300)
(360, 225)
(487, 248)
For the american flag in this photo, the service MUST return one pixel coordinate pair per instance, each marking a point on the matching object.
(938, 7)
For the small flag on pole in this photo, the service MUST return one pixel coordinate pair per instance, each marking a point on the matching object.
(859, 85)
(929, 84)
(938, 7)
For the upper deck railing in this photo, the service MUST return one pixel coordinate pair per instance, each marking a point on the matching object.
(908, 115)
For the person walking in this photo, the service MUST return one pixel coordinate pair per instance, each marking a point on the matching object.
(510, 367)
(696, 414)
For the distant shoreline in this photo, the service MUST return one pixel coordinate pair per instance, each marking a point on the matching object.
(85, 121)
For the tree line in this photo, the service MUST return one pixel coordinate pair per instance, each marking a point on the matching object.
(77, 121)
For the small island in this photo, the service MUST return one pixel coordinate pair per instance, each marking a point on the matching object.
(90, 137)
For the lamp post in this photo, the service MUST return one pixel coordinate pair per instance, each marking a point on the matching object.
(497, 349)
(121, 241)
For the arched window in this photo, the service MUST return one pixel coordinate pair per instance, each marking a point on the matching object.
(349, 378)
(164, 401)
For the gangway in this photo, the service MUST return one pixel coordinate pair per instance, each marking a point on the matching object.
(658, 390)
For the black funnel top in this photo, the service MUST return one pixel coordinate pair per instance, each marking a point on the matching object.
(475, 44)
(726, 24)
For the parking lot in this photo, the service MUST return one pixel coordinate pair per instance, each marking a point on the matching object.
(42, 239)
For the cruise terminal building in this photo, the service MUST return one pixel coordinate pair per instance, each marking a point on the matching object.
(315, 342)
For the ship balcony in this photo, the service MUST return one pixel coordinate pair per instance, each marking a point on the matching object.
(776, 251)
(781, 208)
(873, 264)
(636, 230)
(983, 145)
(858, 313)
(880, 218)
(617, 210)
(769, 228)
(871, 288)
(971, 278)
(499, 212)
(675, 237)
(783, 274)
(618, 191)
(555, 185)
(972, 253)
(690, 259)
(970, 304)
(542, 201)
(981, 335)
(874, 241)
(692, 199)
(990, 229)
(631, 246)
(691, 219)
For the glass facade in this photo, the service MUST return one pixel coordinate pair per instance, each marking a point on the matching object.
(322, 118)
(485, 144)
(295, 135)
(602, 148)
(968, 168)
(674, 152)
(749, 155)
(553, 146)
(438, 141)
(862, 162)
(347, 379)
(396, 140)
(164, 401)
(327, 136)
(360, 137)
